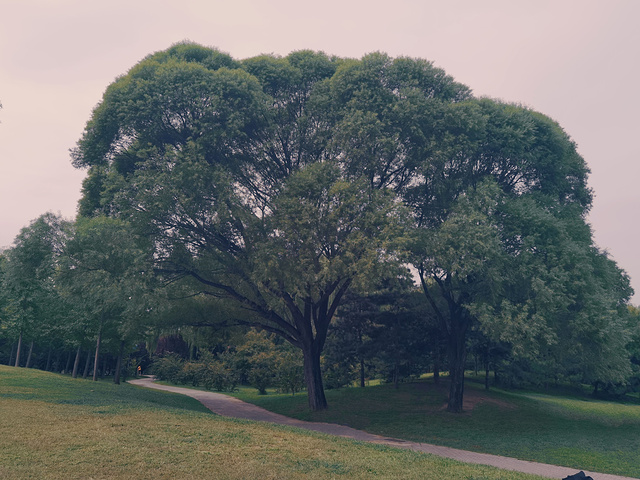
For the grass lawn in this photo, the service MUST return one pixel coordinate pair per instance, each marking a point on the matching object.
(54, 427)
(574, 432)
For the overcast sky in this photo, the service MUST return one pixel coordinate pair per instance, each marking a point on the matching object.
(577, 61)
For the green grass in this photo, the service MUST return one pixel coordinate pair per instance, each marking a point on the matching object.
(54, 427)
(575, 432)
(101, 397)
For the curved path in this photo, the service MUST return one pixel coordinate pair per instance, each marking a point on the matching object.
(232, 407)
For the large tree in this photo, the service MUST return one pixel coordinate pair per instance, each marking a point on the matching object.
(245, 178)
(501, 237)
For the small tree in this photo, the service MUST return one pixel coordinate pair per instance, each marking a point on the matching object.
(258, 354)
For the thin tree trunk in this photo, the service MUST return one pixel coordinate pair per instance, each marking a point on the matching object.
(13, 352)
(87, 363)
(76, 363)
(28, 364)
(17, 364)
(67, 367)
(486, 369)
(116, 376)
(97, 357)
(103, 372)
(486, 377)
(56, 362)
(362, 373)
(48, 367)
(436, 362)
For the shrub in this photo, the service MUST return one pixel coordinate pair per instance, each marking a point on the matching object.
(338, 375)
(218, 373)
(168, 368)
(289, 371)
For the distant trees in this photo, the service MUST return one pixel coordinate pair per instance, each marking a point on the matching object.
(257, 360)
(31, 305)
(65, 282)
(106, 275)
(384, 334)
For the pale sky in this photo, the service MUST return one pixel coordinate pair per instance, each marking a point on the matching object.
(577, 61)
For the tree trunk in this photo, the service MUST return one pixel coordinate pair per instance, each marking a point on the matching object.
(28, 364)
(457, 359)
(68, 364)
(310, 333)
(362, 382)
(487, 363)
(475, 364)
(87, 364)
(76, 363)
(17, 364)
(48, 367)
(56, 361)
(436, 362)
(103, 371)
(313, 378)
(486, 376)
(116, 376)
(13, 352)
(97, 357)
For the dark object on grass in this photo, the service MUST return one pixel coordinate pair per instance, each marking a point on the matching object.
(578, 476)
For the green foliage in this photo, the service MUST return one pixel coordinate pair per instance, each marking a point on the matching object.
(31, 307)
(501, 244)
(212, 372)
(258, 356)
(169, 368)
(105, 276)
(219, 374)
(259, 360)
(563, 310)
(384, 334)
(289, 373)
(268, 362)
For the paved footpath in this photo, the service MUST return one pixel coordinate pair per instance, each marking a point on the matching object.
(232, 407)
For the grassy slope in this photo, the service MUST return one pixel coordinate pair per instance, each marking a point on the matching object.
(579, 433)
(54, 427)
